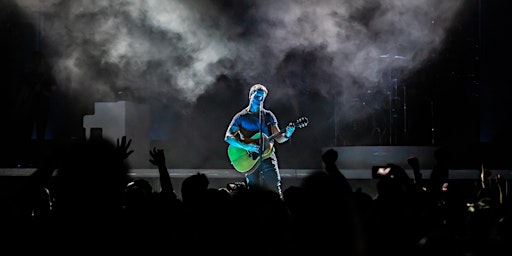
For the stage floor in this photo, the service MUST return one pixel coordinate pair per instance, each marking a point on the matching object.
(355, 162)
(358, 178)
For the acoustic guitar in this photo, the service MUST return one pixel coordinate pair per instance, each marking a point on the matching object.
(246, 162)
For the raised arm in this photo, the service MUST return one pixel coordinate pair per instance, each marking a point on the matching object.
(414, 163)
(158, 159)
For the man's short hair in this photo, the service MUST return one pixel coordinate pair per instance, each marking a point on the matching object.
(257, 87)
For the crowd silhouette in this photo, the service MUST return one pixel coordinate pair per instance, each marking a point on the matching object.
(82, 197)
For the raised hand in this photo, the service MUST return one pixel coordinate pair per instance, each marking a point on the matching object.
(157, 157)
(122, 148)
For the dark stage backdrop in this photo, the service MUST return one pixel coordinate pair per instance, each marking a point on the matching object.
(457, 97)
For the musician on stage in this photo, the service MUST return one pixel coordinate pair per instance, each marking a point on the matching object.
(259, 164)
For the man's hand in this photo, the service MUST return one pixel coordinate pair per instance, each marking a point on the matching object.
(289, 130)
(251, 147)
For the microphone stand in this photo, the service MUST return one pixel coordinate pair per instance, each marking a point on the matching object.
(260, 153)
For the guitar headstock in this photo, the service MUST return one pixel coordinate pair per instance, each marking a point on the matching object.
(302, 122)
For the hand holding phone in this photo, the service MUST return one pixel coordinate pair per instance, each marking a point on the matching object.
(380, 170)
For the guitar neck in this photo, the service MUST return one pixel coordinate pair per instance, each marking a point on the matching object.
(275, 135)
(299, 123)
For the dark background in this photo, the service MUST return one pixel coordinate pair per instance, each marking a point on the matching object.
(458, 100)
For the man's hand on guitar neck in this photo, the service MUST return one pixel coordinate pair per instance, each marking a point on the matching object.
(289, 130)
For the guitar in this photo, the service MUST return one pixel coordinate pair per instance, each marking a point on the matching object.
(246, 162)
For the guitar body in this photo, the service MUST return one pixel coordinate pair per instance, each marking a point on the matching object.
(246, 162)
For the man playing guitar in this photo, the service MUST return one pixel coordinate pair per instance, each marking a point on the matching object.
(250, 149)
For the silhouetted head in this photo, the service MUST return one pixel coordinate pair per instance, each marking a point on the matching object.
(138, 191)
(194, 187)
(91, 179)
(330, 156)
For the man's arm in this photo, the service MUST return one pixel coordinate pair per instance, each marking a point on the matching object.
(286, 135)
(231, 139)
